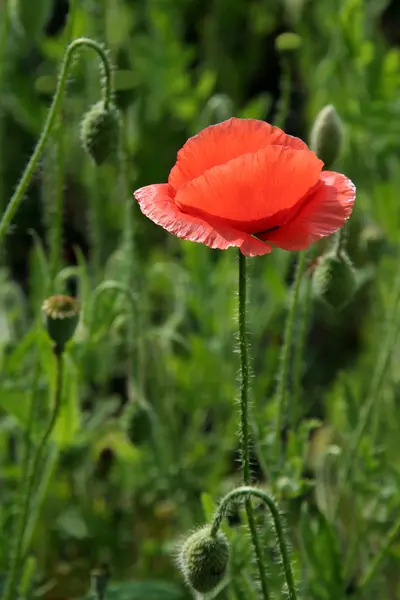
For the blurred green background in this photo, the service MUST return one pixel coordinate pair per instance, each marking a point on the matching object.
(146, 441)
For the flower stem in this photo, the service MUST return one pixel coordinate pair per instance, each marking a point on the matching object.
(22, 186)
(244, 410)
(9, 592)
(246, 492)
(285, 358)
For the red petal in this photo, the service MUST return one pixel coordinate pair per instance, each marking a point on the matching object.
(157, 203)
(253, 192)
(321, 213)
(220, 143)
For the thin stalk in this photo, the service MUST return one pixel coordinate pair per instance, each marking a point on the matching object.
(4, 27)
(378, 558)
(303, 321)
(283, 373)
(383, 362)
(246, 492)
(283, 106)
(9, 592)
(244, 414)
(341, 240)
(21, 509)
(55, 196)
(54, 111)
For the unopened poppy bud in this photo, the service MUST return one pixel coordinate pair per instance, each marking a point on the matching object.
(61, 315)
(326, 138)
(334, 280)
(100, 131)
(204, 560)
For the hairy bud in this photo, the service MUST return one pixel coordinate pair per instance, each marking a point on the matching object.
(334, 280)
(327, 135)
(204, 560)
(61, 314)
(100, 130)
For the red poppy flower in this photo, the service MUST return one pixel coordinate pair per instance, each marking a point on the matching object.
(246, 183)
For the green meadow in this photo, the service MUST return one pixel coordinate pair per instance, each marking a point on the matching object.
(119, 443)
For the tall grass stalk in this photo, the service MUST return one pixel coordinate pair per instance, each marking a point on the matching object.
(31, 479)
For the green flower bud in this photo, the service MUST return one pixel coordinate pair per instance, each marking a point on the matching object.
(61, 315)
(326, 138)
(204, 560)
(334, 280)
(100, 131)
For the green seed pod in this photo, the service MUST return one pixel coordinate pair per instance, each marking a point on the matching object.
(100, 131)
(204, 560)
(334, 280)
(61, 314)
(327, 135)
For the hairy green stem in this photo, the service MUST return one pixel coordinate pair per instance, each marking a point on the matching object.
(244, 414)
(285, 358)
(9, 592)
(246, 492)
(22, 186)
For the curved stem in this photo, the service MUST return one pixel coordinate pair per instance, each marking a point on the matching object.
(9, 593)
(244, 410)
(246, 492)
(285, 357)
(22, 186)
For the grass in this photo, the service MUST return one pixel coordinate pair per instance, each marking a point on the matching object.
(146, 439)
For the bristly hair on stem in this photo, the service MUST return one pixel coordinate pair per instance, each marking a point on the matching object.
(244, 415)
(245, 493)
(54, 111)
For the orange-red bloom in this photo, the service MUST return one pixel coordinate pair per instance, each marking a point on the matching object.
(246, 183)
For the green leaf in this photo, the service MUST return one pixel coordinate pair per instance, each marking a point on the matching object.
(30, 18)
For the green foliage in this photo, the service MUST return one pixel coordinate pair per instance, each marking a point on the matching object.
(146, 438)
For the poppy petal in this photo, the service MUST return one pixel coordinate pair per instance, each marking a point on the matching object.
(253, 192)
(322, 212)
(157, 203)
(220, 143)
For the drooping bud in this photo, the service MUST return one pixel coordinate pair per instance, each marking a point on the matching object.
(61, 314)
(100, 130)
(334, 280)
(327, 135)
(204, 560)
